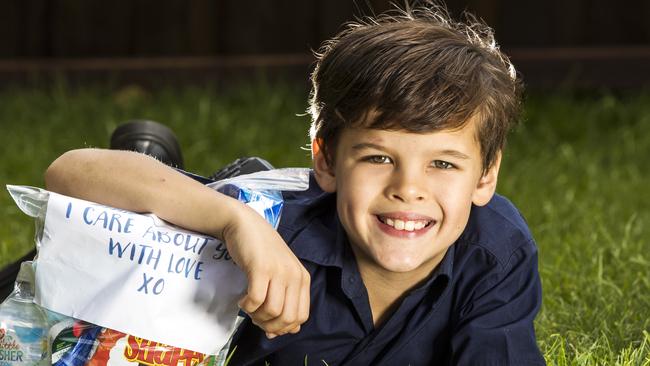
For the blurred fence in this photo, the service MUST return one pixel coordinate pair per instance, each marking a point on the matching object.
(582, 41)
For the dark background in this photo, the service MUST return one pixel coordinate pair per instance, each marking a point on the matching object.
(552, 42)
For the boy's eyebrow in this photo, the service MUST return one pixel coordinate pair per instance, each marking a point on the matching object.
(367, 145)
(448, 152)
(455, 153)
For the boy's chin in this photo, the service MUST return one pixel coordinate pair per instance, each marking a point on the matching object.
(397, 261)
(416, 265)
(401, 265)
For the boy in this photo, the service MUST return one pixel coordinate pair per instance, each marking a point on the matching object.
(399, 253)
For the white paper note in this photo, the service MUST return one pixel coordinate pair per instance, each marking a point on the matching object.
(137, 274)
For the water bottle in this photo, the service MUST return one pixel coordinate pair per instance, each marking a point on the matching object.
(23, 324)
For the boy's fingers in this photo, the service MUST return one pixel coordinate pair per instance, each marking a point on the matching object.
(291, 305)
(273, 304)
(296, 309)
(257, 293)
(287, 319)
(302, 311)
(305, 298)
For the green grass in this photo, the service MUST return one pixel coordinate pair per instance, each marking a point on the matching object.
(575, 168)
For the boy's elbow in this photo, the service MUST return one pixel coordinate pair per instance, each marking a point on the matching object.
(61, 172)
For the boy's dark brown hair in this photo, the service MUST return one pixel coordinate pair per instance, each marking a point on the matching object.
(414, 70)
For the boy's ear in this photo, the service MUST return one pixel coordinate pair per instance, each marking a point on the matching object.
(323, 173)
(487, 185)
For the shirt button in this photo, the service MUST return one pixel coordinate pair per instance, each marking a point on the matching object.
(351, 279)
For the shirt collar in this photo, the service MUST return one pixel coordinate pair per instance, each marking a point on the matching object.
(322, 242)
(444, 270)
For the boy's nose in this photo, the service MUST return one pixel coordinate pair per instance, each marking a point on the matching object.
(407, 186)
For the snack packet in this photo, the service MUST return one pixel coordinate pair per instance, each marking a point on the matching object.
(85, 344)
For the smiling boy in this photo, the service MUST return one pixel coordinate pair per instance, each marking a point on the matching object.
(400, 252)
(403, 198)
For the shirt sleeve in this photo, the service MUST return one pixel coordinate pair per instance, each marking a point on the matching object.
(495, 327)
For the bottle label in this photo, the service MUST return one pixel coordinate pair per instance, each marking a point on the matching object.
(10, 349)
(22, 346)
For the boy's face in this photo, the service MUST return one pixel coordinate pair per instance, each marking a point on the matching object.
(404, 198)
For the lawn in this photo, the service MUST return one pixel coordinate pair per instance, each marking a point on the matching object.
(574, 168)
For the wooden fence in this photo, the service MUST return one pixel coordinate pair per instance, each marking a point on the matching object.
(100, 28)
(59, 34)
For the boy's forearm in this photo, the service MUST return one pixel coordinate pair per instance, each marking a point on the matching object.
(139, 183)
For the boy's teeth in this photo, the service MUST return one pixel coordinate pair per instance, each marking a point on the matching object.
(405, 225)
(409, 226)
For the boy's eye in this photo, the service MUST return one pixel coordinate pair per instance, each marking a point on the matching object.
(441, 164)
(378, 159)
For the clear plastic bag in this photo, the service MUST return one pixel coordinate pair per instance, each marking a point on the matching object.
(87, 274)
(259, 188)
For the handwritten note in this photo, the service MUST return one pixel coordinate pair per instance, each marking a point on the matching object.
(137, 274)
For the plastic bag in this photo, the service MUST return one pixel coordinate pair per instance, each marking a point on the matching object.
(132, 277)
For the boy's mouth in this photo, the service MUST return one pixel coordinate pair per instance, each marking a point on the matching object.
(404, 224)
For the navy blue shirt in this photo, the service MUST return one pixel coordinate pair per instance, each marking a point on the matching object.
(477, 307)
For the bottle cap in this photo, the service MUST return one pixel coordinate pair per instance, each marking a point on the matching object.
(26, 273)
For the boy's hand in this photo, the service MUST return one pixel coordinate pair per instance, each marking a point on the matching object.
(277, 299)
